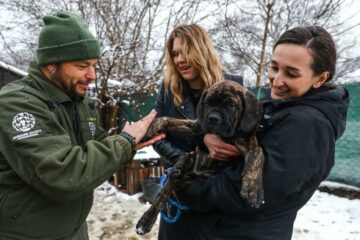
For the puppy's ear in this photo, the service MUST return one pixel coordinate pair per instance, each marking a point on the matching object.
(251, 114)
(200, 108)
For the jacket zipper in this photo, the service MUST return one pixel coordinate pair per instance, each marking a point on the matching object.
(183, 113)
(77, 127)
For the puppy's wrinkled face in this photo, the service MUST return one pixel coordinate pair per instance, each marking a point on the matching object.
(221, 109)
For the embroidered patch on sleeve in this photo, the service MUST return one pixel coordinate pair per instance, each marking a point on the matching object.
(24, 122)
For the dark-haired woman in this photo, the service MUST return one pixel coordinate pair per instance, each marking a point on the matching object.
(304, 117)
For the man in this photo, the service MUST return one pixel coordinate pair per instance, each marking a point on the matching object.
(53, 153)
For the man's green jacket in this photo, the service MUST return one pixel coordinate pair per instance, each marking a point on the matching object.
(53, 153)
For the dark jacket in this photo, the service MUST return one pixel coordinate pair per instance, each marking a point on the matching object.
(53, 153)
(298, 138)
(174, 146)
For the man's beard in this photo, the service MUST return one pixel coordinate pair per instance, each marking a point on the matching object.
(69, 87)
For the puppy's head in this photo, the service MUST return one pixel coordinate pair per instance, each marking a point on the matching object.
(226, 108)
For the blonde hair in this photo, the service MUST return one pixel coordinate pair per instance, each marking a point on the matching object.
(199, 52)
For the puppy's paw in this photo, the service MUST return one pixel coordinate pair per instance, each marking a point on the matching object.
(155, 128)
(140, 231)
(142, 227)
(252, 190)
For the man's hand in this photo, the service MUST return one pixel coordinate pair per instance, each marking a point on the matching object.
(139, 128)
(218, 149)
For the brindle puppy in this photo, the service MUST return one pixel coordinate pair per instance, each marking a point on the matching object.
(230, 111)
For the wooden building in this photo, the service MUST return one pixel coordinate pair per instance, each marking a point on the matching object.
(145, 165)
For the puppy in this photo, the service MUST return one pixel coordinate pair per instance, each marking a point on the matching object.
(233, 113)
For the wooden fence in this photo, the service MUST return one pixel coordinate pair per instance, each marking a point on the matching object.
(129, 178)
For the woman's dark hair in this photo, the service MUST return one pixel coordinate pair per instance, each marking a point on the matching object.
(321, 45)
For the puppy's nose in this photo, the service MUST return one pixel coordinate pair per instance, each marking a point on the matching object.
(214, 118)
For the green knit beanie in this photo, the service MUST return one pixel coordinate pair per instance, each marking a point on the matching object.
(66, 37)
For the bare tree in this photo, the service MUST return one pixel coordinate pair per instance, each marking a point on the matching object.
(132, 38)
(132, 35)
(248, 33)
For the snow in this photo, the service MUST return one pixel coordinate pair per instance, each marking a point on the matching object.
(111, 83)
(325, 217)
(115, 214)
(146, 153)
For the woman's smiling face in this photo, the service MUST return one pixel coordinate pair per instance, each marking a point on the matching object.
(290, 72)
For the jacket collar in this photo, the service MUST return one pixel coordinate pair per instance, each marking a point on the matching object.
(54, 93)
(310, 95)
(331, 100)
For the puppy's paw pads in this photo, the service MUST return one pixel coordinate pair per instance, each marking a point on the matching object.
(140, 231)
(142, 228)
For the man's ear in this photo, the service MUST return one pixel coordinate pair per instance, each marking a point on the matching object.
(321, 79)
(52, 68)
(252, 113)
(49, 69)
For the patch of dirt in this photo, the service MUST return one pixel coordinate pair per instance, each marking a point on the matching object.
(341, 192)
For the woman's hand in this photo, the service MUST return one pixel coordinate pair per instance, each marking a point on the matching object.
(218, 149)
(139, 129)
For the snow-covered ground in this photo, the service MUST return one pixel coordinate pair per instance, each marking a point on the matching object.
(328, 217)
(324, 217)
(115, 214)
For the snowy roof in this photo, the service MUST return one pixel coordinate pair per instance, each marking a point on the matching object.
(12, 69)
(146, 153)
(124, 83)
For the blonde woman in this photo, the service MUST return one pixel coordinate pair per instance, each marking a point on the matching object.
(193, 65)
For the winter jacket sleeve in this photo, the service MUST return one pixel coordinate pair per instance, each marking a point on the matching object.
(164, 147)
(40, 151)
(296, 147)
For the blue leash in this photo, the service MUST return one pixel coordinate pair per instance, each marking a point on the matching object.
(171, 201)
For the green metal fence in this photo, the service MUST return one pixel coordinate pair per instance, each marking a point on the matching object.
(347, 165)
(347, 161)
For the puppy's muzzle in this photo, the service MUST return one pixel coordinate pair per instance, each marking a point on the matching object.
(214, 118)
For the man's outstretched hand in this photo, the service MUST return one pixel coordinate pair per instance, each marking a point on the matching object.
(139, 129)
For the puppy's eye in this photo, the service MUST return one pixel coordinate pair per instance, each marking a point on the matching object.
(230, 105)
